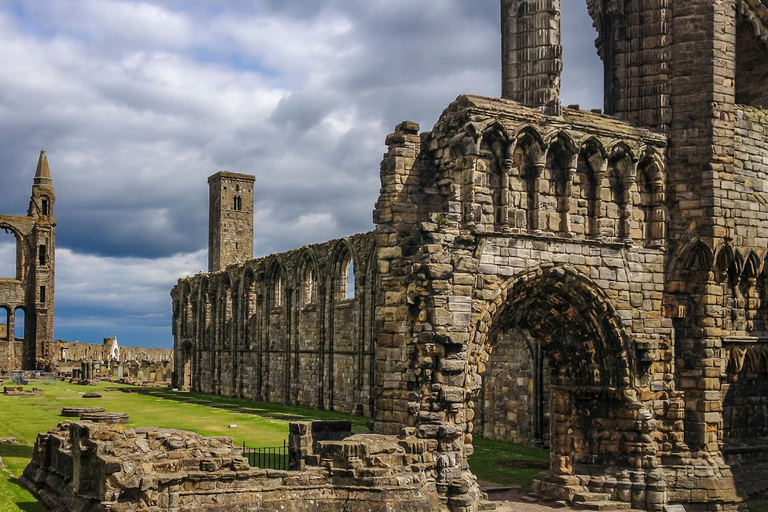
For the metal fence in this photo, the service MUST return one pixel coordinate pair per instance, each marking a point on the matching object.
(270, 457)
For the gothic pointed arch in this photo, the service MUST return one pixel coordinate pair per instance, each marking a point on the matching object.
(650, 199)
(343, 279)
(590, 171)
(562, 161)
(587, 350)
(621, 179)
(493, 168)
(277, 280)
(697, 256)
(307, 278)
(529, 160)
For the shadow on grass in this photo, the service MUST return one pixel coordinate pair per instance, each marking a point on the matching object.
(266, 410)
(16, 450)
(26, 506)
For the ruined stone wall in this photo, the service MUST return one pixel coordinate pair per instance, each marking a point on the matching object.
(87, 466)
(501, 219)
(745, 308)
(283, 328)
(515, 400)
(11, 353)
(531, 54)
(29, 295)
(76, 352)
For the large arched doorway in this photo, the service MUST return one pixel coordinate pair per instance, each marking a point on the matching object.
(573, 363)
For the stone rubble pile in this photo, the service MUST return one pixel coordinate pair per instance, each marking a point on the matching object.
(98, 467)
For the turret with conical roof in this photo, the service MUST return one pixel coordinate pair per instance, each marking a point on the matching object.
(43, 196)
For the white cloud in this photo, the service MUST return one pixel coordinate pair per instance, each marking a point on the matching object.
(123, 284)
(7, 256)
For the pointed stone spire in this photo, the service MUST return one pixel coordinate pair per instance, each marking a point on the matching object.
(43, 173)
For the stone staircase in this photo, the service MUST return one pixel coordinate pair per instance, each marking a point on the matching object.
(572, 492)
(596, 501)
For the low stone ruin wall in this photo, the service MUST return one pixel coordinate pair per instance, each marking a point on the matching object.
(96, 467)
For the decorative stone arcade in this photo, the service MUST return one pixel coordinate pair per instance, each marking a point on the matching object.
(504, 219)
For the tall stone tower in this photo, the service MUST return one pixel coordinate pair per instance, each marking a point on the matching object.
(531, 53)
(40, 289)
(28, 298)
(230, 219)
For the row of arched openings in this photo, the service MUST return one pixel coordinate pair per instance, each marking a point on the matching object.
(12, 320)
(572, 188)
(343, 285)
(743, 276)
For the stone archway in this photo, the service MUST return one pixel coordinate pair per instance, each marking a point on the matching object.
(584, 348)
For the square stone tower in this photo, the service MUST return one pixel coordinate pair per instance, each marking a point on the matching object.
(230, 219)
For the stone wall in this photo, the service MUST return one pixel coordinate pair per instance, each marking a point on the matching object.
(88, 466)
(745, 390)
(283, 328)
(515, 399)
(28, 296)
(499, 220)
(76, 352)
(13, 357)
(230, 217)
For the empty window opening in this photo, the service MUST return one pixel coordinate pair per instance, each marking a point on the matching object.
(9, 252)
(348, 277)
(277, 291)
(237, 188)
(5, 320)
(42, 254)
(237, 245)
(238, 203)
(310, 288)
(19, 321)
(44, 207)
(42, 294)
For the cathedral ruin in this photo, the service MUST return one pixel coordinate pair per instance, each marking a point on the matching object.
(591, 282)
(26, 298)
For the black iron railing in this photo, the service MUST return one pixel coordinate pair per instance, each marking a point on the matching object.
(270, 457)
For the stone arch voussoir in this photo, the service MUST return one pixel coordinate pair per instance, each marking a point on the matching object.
(596, 308)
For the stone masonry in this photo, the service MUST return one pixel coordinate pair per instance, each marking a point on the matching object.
(616, 260)
(230, 215)
(295, 327)
(28, 296)
(81, 466)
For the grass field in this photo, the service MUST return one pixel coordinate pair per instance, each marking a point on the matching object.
(258, 424)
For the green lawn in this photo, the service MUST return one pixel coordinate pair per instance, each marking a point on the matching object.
(258, 424)
(493, 461)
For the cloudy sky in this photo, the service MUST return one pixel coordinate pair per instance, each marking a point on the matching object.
(137, 102)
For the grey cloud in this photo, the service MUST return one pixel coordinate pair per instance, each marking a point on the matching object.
(135, 117)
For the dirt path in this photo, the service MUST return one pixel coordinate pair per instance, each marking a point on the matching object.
(512, 499)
